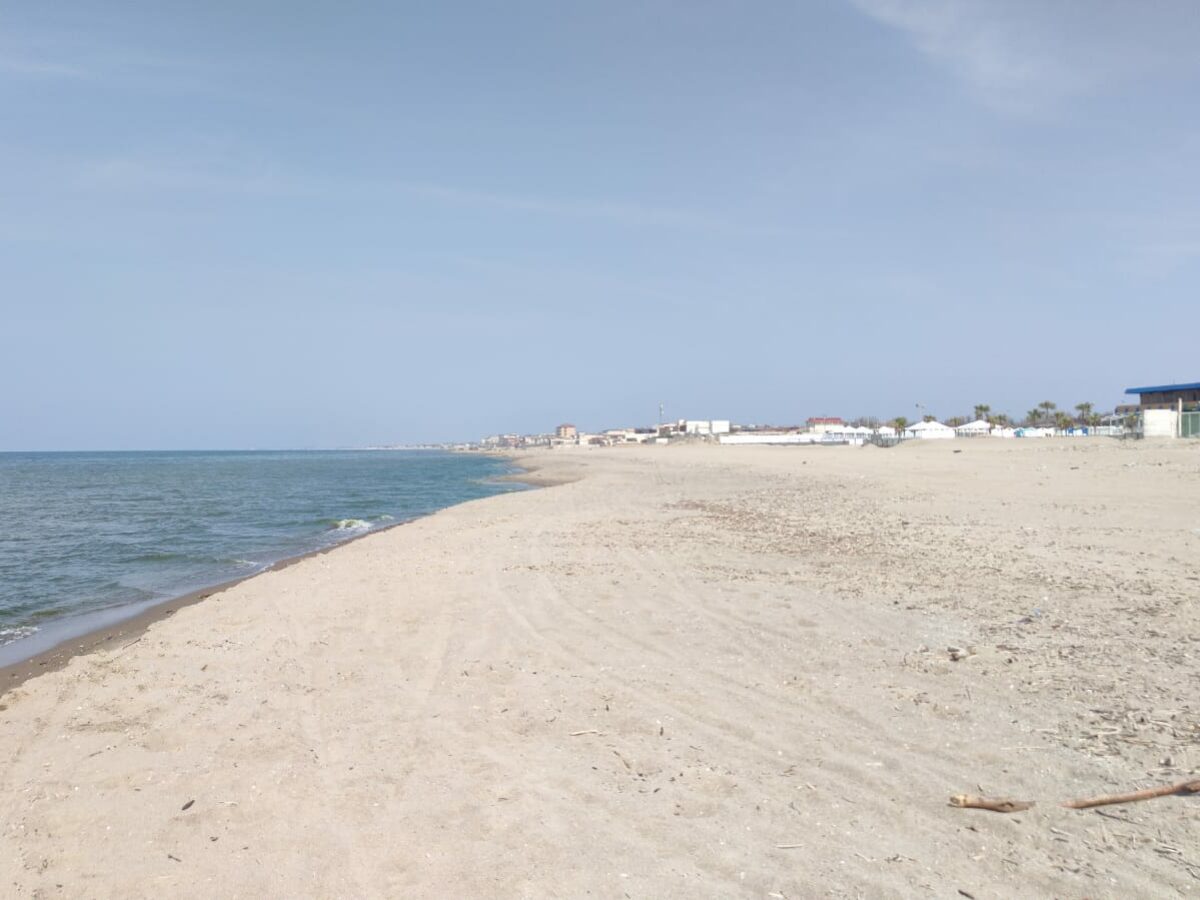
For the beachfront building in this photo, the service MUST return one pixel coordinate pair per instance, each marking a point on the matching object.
(704, 426)
(978, 428)
(630, 435)
(1169, 410)
(929, 431)
(762, 436)
(566, 431)
(826, 424)
(833, 433)
(506, 441)
(1167, 396)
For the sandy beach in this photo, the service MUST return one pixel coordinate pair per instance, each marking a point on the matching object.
(673, 672)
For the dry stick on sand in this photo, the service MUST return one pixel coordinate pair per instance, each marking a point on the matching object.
(968, 801)
(1184, 787)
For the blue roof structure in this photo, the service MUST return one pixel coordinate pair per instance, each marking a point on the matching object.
(1164, 388)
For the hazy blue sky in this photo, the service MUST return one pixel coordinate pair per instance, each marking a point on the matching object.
(312, 224)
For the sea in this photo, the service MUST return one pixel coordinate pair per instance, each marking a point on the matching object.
(87, 539)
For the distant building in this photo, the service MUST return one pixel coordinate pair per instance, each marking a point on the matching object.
(704, 426)
(566, 431)
(823, 424)
(760, 436)
(1169, 410)
(629, 435)
(1167, 396)
(974, 429)
(926, 431)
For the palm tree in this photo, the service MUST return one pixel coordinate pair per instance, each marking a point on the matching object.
(1063, 420)
(1033, 416)
(1047, 407)
(982, 410)
(900, 423)
(928, 418)
(1085, 412)
(1000, 419)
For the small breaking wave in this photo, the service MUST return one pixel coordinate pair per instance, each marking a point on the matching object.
(15, 633)
(351, 525)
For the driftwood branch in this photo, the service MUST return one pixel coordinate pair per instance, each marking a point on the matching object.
(968, 801)
(1184, 787)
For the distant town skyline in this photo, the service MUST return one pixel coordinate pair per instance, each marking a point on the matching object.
(232, 226)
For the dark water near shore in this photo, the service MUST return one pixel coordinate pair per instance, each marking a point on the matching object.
(86, 531)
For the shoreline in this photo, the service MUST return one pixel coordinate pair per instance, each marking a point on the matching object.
(104, 637)
(127, 630)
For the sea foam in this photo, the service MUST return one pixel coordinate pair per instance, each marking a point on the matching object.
(351, 525)
(8, 635)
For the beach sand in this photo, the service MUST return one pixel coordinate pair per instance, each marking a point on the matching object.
(679, 672)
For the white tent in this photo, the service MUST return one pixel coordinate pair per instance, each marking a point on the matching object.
(886, 431)
(979, 426)
(929, 431)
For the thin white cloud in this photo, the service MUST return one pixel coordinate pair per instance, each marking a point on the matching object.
(70, 56)
(970, 38)
(1025, 55)
(220, 169)
(36, 68)
(615, 211)
(156, 175)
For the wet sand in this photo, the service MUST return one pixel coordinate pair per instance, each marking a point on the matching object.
(681, 672)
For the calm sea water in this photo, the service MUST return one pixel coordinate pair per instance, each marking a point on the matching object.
(82, 532)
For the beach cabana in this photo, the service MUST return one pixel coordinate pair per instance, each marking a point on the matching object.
(927, 431)
(974, 429)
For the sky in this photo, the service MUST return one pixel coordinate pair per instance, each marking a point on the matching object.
(302, 224)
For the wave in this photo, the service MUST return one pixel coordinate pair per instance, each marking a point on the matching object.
(351, 525)
(15, 633)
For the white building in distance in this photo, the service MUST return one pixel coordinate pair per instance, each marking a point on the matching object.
(704, 426)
